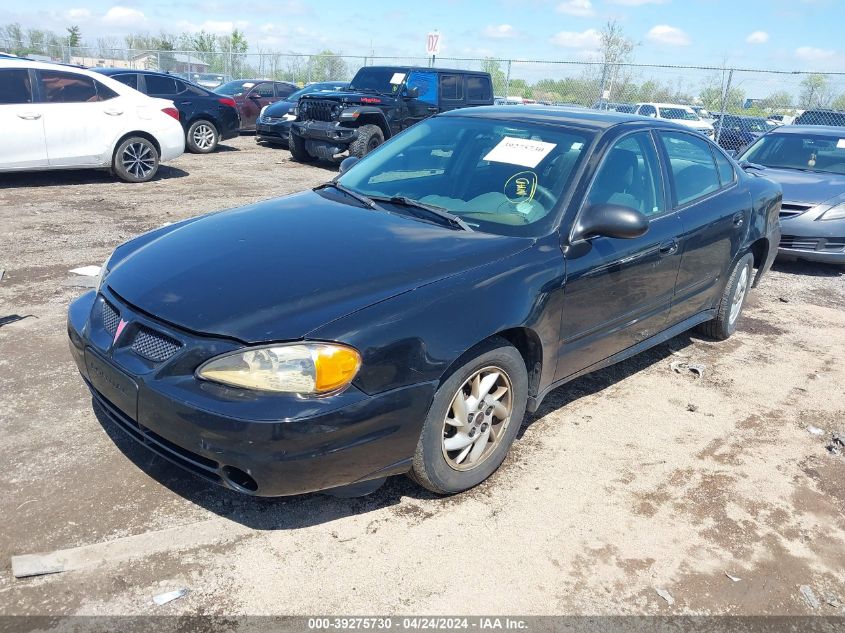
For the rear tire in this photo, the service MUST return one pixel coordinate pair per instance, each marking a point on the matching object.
(369, 137)
(136, 159)
(493, 387)
(296, 145)
(202, 137)
(731, 302)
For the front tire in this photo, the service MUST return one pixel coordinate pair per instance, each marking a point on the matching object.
(369, 137)
(136, 159)
(296, 145)
(473, 420)
(731, 302)
(202, 137)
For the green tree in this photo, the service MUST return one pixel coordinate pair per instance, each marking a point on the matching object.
(780, 100)
(816, 92)
(74, 36)
(326, 66)
(494, 67)
(616, 50)
(839, 102)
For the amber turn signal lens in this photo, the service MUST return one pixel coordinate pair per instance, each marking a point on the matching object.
(336, 366)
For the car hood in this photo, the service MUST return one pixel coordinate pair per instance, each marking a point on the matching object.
(806, 186)
(279, 269)
(348, 97)
(278, 109)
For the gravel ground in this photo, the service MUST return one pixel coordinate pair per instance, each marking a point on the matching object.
(628, 480)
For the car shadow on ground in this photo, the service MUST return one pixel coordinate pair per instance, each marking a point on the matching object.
(68, 177)
(286, 513)
(809, 269)
(226, 148)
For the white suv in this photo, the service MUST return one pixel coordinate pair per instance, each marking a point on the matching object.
(61, 117)
(678, 113)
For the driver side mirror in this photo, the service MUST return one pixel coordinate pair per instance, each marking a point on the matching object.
(347, 163)
(611, 220)
(412, 93)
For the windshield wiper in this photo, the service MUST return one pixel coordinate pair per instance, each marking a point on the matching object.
(366, 201)
(440, 214)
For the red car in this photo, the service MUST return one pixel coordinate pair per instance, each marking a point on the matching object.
(251, 95)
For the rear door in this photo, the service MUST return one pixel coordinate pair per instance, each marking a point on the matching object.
(715, 213)
(82, 118)
(22, 120)
(452, 91)
(175, 90)
(619, 291)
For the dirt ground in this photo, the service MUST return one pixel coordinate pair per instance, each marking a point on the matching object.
(628, 480)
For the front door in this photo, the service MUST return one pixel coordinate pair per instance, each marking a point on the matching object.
(23, 143)
(619, 291)
(260, 95)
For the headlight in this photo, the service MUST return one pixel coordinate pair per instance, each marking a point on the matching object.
(261, 114)
(834, 213)
(303, 368)
(104, 270)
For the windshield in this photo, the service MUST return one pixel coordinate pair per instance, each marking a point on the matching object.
(320, 87)
(383, 80)
(497, 176)
(235, 88)
(678, 113)
(799, 151)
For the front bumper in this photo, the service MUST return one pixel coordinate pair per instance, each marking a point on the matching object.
(806, 237)
(276, 131)
(261, 444)
(324, 139)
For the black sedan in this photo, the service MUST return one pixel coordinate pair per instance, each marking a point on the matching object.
(403, 317)
(273, 125)
(208, 118)
(809, 163)
(736, 132)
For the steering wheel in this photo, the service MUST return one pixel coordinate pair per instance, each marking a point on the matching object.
(545, 198)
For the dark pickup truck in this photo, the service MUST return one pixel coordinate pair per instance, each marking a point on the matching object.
(380, 102)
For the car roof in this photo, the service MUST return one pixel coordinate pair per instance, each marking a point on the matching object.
(436, 69)
(595, 119)
(665, 105)
(837, 131)
(22, 62)
(142, 71)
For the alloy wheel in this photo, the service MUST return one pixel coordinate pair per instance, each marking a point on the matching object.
(203, 136)
(138, 159)
(739, 294)
(477, 418)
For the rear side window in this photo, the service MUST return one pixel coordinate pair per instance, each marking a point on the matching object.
(726, 171)
(129, 79)
(691, 165)
(158, 85)
(451, 87)
(15, 86)
(61, 87)
(647, 110)
(478, 88)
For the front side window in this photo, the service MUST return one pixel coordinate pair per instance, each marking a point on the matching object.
(630, 176)
(691, 165)
(15, 86)
(451, 87)
(284, 90)
(499, 177)
(62, 87)
(426, 83)
(264, 90)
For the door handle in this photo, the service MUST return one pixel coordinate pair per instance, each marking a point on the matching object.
(113, 112)
(432, 109)
(668, 248)
(185, 103)
(29, 116)
(738, 219)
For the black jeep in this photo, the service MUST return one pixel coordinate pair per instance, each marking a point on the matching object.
(381, 101)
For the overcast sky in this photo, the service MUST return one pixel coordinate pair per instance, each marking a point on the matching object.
(782, 34)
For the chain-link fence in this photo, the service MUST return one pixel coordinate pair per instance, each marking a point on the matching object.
(736, 103)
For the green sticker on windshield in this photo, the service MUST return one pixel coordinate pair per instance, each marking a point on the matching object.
(521, 187)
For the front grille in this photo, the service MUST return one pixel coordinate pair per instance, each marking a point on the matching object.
(792, 209)
(190, 461)
(111, 317)
(153, 345)
(799, 243)
(832, 244)
(318, 110)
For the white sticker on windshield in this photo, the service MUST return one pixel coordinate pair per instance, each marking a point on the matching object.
(840, 144)
(397, 78)
(249, 85)
(520, 151)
